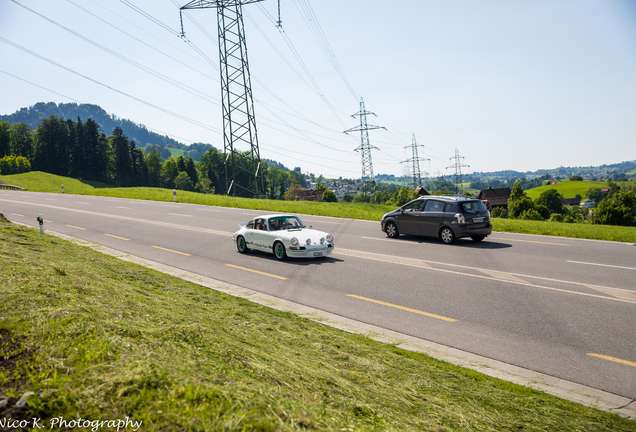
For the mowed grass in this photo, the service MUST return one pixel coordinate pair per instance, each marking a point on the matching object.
(561, 229)
(43, 182)
(98, 338)
(569, 189)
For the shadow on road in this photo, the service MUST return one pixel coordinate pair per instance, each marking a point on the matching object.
(463, 242)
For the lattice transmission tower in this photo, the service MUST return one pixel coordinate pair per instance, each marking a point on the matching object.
(365, 147)
(459, 189)
(242, 167)
(415, 160)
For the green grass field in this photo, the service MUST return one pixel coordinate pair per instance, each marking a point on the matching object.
(569, 189)
(43, 182)
(98, 338)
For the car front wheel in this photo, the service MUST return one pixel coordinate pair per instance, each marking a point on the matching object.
(241, 245)
(279, 251)
(447, 236)
(392, 230)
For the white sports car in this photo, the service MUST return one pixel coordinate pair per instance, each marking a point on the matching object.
(284, 235)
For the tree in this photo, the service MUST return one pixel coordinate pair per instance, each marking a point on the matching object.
(620, 209)
(517, 192)
(347, 198)
(329, 196)
(576, 178)
(22, 140)
(183, 182)
(121, 149)
(169, 172)
(552, 199)
(152, 159)
(5, 139)
(293, 192)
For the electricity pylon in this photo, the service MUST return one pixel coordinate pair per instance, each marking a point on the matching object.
(458, 172)
(417, 176)
(365, 146)
(239, 123)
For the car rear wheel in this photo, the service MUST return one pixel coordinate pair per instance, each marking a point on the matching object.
(478, 238)
(392, 230)
(241, 245)
(279, 251)
(447, 236)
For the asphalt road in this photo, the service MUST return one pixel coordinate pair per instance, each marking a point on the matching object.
(563, 307)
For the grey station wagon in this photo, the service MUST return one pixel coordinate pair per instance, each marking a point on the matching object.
(445, 217)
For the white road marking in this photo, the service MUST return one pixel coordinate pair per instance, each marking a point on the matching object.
(177, 214)
(127, 208)
(603, 265)
(381, 239)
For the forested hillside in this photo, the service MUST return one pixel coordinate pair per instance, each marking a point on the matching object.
(107, 122)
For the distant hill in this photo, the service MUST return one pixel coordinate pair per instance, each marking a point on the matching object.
(107, 122)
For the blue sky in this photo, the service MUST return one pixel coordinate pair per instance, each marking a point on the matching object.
(510, 84)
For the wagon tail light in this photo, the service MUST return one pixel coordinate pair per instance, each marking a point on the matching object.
(460, 218)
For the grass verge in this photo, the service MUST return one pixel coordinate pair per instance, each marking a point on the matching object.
(561, 229)
(98, 338)
(44, 182)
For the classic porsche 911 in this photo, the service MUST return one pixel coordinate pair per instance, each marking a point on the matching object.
(283, 235)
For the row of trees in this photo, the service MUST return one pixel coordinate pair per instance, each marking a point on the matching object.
(81, 150)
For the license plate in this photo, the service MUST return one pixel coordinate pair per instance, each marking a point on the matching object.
(478, 220)
(317, 253)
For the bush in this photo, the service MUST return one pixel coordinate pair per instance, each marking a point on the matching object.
(519, 206)
(499, 212)
(556, 217)
(329, 196)
(531, 214)
(620, 209)
(543, 211)
(14, 165)
(347, 198)
(576, 178)
(204, 186)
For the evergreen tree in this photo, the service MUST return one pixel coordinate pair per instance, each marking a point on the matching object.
(5, 139)
(152, 159)
(121, 152)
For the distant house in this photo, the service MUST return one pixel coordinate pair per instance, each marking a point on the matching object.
(604, 189)
(551, 182)
(310, 195)
(587, 203)
(421, 191)
(570, 201)
(493, 198)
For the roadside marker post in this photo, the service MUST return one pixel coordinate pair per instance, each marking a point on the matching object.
(174, 192)
(41, 221)
(62, 188)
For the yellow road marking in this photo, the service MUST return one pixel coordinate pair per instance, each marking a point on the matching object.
(211, 210)
(319, 221)
(403, 308)
(256, 271)
(120, 238)
(48, 221)
(530, 241)
(84, 229)
(614, 359)
(18, 214)
(174, 251)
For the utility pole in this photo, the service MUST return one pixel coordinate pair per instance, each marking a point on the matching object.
(242, 167)
(365, 147)
(417, 177)
(458, 172)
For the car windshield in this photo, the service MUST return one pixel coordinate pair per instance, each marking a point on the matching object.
(473, 207)
(285, 222)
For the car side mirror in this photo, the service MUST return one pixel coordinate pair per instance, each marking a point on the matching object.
(310, 226)
(401, 210)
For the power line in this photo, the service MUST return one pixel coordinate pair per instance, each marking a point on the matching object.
(179, 116)
(44, 88)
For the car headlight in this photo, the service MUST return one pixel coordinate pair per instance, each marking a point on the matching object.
(329, 238)
(308, 242)
(294, 241)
